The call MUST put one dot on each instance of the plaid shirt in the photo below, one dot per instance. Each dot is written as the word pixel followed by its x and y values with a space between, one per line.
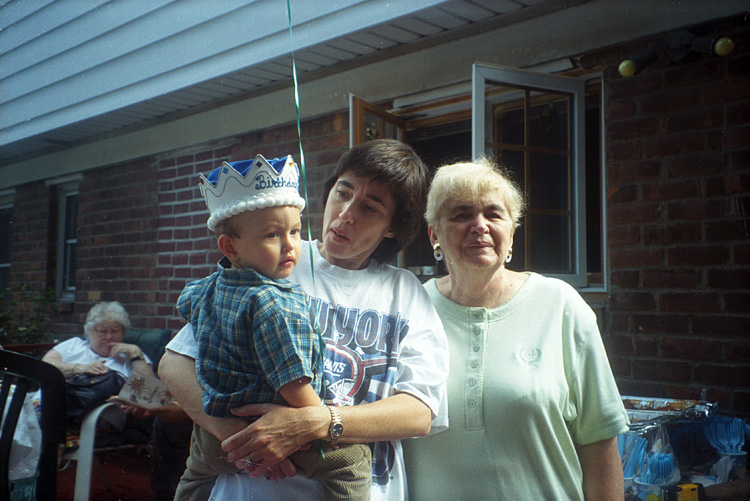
pixel 254 336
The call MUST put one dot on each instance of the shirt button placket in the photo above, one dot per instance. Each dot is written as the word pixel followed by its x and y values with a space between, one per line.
pixel 474 370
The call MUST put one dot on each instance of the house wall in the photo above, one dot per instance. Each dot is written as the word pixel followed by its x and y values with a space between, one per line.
pixel 678 193
pixel 677 136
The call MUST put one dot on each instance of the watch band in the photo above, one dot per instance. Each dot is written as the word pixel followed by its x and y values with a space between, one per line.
pixel 337 427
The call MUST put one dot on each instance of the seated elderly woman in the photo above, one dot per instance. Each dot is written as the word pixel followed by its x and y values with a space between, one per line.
pixel 102 349
pixel 533 406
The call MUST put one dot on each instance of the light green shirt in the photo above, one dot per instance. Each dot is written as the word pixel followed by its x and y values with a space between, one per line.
pixel 528 380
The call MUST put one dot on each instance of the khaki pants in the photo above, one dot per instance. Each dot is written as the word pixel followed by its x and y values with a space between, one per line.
pixel 346 472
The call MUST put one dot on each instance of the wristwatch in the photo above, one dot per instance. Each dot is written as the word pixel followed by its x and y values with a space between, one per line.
pixel 337 427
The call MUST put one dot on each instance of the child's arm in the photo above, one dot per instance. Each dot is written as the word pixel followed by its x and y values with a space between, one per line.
pixel 300 393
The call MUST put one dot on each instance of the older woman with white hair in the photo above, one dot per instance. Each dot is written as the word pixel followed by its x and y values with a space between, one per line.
pixel 101 349
pixel 533 406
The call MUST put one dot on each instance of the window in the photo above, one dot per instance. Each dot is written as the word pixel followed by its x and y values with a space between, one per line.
pixel 534 124
pixel 67 226
pixel 6 228
pixel 546 130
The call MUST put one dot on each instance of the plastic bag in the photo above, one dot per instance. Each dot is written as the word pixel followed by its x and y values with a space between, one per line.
pixel 27 442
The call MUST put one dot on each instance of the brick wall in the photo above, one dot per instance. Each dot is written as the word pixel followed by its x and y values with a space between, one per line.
pixel 678 194
pixel 29 245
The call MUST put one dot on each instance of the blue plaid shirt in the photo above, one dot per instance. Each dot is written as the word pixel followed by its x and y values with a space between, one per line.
pixel 254 336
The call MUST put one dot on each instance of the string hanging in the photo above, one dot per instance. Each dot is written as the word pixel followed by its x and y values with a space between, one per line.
pixel 321 342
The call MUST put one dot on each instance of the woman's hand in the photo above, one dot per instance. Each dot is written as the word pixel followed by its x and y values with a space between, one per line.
pixel 279 432
pixel 125 350
pixel 135 411
pixel 69 370
pixel 95 367
pixel 169 413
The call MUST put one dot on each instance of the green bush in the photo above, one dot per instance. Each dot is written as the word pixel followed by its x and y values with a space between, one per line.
pixel 24 314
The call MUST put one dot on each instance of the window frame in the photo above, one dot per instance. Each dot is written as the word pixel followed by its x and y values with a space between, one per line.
pixel 65 188
pixel 6 203
pixel 576 89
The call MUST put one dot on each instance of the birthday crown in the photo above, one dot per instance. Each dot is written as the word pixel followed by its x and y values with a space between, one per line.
pixel 249 185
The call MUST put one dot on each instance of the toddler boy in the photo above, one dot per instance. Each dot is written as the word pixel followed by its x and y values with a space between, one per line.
pixel 255 341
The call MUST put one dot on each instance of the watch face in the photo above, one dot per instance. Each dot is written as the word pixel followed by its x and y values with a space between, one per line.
pixel 337 429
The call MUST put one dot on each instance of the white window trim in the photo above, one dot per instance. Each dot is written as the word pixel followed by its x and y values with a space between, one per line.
pixel 6 202
pixel 577 89
pixel 66 186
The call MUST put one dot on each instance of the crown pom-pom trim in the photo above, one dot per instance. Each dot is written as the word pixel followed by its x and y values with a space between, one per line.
pixel 255 203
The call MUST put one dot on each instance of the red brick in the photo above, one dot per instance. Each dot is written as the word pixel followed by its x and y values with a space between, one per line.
pixel 669 101
pixel 737 302
pixel 742 253
pixel 670 190
pixel 625 279
pixel 621 257
pixel 671 233
pixel 629 214
pixel 738 376
pixel 739 160
pixel 660 323
pixel 729 279
pixel 627 88
pixel 628 150
pixel 623 345
pixel 691 349
pixel 644 346
pixel 672 278
pixel 619 110
pixel 736 137
pixel 738 352
pixel 622 193
pixel 689 74
pixel 620 366
pixel 633 171
pixel 728 91
pixel 640 388
pixel 741 400
pixel 722 231
pixel 681 392
pixel 697 209
pixel 691 120
pixel 698 256
pixel 661 370
pixel 721 325
pixel 727 185
pixel 623 235
pixel 673 144
pixel 625 130
pixel 689 301
pixel 738 64
pixel 738 114
pixel 632 301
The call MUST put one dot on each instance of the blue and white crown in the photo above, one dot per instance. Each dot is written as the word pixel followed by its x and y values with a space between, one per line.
pixel 249 185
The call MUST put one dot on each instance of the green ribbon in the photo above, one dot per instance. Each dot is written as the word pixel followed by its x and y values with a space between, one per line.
pixel 321 342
